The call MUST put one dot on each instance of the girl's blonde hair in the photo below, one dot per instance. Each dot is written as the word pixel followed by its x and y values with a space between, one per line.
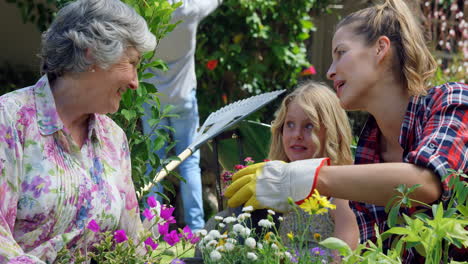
pixel 414 62
pixel 323 108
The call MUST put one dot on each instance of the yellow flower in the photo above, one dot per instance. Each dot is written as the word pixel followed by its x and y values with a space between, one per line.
pixel 317 236
pixel 317 204
pixel 267 236
pixel 290 235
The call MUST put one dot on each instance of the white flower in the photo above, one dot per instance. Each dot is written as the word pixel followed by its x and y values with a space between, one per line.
pixel 201 232
pixel 243 216
pixel 229 246
pixel 260 245
pixel 288 255
pixel 212 243
pixel 248 209
pixel 251 256
pixel 250 242
pixel 221 225
pixel 238 228
pixel 265 223
pixel 274 246
pixel 218 218
pixel 231 240
pixel 245 232
pixel 214 233
pixel 215 255
pixel 229 219
pixel 220 248
pixel 271 212
pixel 281 219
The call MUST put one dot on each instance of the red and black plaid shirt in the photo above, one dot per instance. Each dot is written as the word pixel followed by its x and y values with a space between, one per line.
pixel 433 135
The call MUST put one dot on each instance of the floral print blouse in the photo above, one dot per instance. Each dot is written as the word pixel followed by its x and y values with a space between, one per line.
pixel 50 188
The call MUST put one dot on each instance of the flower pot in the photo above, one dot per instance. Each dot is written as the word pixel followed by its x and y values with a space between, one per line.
pixel 194 260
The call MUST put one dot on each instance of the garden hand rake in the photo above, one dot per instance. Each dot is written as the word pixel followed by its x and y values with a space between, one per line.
pixel 216 123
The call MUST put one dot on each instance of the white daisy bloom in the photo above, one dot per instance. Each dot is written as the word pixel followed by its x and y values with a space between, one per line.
pixel 288 255
pixel 221 225
pixel 248 209
pixel 214 233
pixel 260 245
pixel 215 255
pixel 218 218
pixel 274 246
pixel 271 212
pixel 229 219
pixel 238 228
pixel 201 232
pixel 229 246
pixel 251 256
pixel 243 216
pixel 281 219
pixel 231 240
pixel 265 223
pixel 220 248
pixel 250 242
pixel 212 243
pixel 245 232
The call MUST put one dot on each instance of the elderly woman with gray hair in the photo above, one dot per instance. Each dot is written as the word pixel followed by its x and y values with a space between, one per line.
pixel 63 162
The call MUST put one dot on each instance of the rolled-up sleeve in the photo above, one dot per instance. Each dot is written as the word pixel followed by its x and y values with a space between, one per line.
pixel 443 147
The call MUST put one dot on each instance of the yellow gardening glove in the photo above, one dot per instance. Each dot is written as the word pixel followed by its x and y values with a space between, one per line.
pixel 242 190
pixel 269 184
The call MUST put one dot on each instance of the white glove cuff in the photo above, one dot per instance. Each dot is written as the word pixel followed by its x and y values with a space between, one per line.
pixel 278 181
pixel 303 177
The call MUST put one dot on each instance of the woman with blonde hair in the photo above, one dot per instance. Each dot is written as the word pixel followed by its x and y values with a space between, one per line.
pixel 311 124
pixel 415 134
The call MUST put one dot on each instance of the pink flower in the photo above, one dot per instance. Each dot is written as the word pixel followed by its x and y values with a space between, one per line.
pixel 150 242
pixel 166 214
pixel 152 202
pixel 120 236
pixel 163 228
pixel 189 236
pixel 211 64
pixel 148 214
pixel 249 159
pixel 172 238
pixel 309 71
pixel 239 167
pixel 93 226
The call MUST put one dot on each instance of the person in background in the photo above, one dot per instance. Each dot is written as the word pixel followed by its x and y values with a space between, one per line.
pixel 310 124
pixel 415 134
pixel 178 87
pixel 63 162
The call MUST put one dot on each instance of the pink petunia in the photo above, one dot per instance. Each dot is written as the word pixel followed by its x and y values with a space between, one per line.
pixel 239 167
pixel 148 214
pixel 120 236
pixel 93 226
pixel 150 242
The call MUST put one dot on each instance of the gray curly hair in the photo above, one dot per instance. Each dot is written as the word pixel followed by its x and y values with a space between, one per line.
pixel 104 28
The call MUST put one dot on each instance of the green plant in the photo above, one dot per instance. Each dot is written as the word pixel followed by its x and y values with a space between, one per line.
pixel 234 242
pixel 117 247
pixel 248 47
pixel 431 235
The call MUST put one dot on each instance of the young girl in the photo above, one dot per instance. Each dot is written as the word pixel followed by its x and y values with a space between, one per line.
pixel 299 132
pixel 414 135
